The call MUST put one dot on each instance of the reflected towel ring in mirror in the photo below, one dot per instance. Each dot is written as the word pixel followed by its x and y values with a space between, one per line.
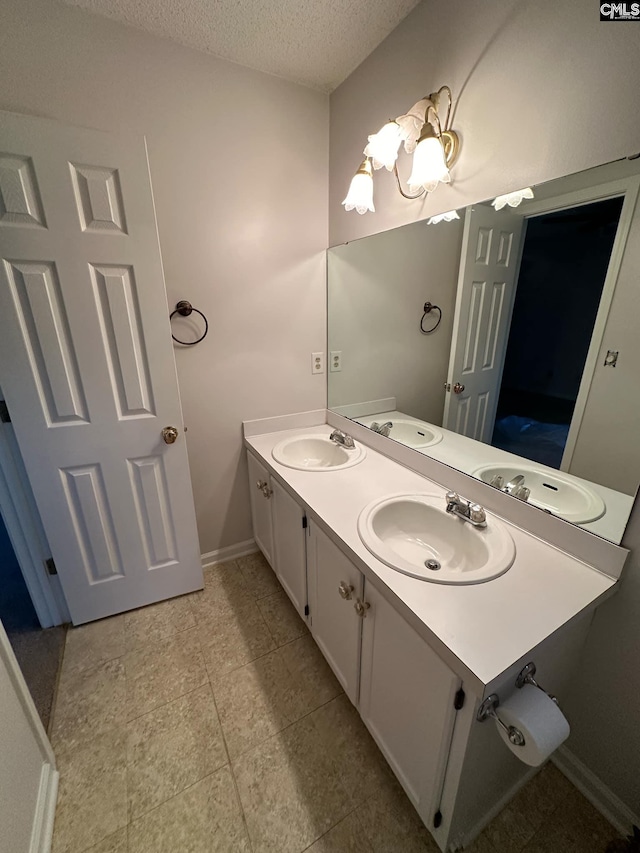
pixel 185 308
pixel 428 308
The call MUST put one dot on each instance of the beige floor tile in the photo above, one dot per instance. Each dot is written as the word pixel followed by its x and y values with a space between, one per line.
pixel 157 621
pixel 89 702
pixel 206 818
pixel 256 701
pixel 392 824
pixel 346 837
pixel 310 672
pixel 171 748
pixel 259 575
pixel 158 673
pixel 92 797
pixel 225 592
pixel 94 643
pixel 517 823
pixel 231 640
pixel 480 845
pixel 575 827
pixel 290 794
pixel 359 763
pixel 116 843
pixel 281 617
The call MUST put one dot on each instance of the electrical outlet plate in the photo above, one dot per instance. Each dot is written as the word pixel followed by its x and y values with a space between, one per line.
pixel 335 361
pixel 317 362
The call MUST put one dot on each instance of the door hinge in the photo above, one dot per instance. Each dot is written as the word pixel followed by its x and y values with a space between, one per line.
pixel 437 819
pixel 50 566
pixel 304 521
pixel 5 417
pixel 458 701
pixel 306 610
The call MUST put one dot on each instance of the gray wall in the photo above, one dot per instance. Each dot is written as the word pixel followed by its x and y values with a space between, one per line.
pixel 543 89
pixel 239 169
pixel 377 288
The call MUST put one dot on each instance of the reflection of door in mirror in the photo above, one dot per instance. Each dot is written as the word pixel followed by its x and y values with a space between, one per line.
pixel 486 288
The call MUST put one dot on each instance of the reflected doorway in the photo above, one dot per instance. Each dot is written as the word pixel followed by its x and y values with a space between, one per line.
pixel 565 258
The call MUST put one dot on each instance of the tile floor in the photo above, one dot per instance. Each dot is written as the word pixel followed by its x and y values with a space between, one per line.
pixel 212 724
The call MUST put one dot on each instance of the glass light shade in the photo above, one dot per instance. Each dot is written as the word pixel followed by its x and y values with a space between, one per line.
pixel 443 217
pixel 512 199
pixel 411 124
pixel 383 146
pixel 429 165
pixel 360 195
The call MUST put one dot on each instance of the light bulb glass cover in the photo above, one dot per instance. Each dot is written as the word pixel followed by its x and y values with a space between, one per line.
pixel 443 217
pixel 411 124
pixel 360 195
pixel 429 165
pixel 512 199
pixel 383 146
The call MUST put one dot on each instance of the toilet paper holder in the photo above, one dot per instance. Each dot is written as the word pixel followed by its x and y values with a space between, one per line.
pixel 490 705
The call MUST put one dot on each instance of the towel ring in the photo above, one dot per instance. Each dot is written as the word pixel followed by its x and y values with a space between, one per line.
pixel 428 308
pixel 185 308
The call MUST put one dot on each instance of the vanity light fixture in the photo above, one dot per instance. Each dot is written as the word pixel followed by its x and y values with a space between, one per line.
pixel 449 216
pixel 512 199
pixel 435 148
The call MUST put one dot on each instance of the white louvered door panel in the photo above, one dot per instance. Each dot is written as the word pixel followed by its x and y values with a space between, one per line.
pixel 87 366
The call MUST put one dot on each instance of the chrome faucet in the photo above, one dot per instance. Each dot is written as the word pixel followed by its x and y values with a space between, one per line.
pixel 515 487
pixel 342 439
pixel 382 429
pixel 473 513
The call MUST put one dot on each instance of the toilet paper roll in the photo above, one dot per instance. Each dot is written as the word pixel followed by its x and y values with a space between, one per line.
pixel 542 723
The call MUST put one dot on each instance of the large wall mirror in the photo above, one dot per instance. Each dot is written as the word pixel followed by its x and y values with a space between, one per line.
pixel 531 380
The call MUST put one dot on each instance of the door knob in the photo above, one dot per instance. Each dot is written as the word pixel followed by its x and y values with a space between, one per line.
pixel 345 590
pixel 361 608
pixel 169 434
pixel 458 388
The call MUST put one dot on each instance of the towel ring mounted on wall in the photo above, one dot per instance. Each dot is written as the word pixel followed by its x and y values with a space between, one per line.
pixel 428 308
pixel 185 308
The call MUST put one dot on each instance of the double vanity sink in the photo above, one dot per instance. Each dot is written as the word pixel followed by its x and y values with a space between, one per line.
pixel 416 534
pixel 422 603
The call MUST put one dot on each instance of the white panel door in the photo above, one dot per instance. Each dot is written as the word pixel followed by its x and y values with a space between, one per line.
pixel 260 495
pixel 407 702
pixel 484 304
pixel 87 367
pixel 289 546
pixel 335 585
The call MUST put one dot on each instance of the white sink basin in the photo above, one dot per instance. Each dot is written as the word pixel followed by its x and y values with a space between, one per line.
pixel 316 453
pixel 554 491
pixel 415 535
pixel 411 433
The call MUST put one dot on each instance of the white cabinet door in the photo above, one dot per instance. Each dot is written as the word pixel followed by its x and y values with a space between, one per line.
pixel 87 366
pixel 406 700
pixel 335 585
pixel 260 495
pixel 289 549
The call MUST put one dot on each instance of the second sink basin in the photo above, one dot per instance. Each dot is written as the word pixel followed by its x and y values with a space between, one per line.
pixel 316 453
pixel 415 535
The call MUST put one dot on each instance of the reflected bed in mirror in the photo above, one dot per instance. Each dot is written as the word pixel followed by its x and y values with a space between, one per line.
pixel 530 381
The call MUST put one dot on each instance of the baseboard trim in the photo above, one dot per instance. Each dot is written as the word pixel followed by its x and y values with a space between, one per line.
pixel 231 552
pixel 598 794
pixel 42 833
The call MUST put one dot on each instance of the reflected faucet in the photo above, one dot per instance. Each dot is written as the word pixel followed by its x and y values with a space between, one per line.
pixel 382 429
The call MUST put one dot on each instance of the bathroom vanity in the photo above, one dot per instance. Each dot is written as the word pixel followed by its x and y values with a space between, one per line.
pixel 417 658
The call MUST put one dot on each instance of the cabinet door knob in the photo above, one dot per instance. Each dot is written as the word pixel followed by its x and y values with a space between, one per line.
pixel 345 589
pixel 261 484
pixel 264 488
pixel 361 608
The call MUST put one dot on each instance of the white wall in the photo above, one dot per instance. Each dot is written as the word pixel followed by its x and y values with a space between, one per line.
pixel 377 289
pixel 543 89
pixel 239 168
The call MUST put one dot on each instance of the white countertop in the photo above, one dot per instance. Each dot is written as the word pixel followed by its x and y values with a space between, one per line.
pixel 479 629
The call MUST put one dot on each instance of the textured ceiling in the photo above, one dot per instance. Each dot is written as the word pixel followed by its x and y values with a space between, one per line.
pixel 314 42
